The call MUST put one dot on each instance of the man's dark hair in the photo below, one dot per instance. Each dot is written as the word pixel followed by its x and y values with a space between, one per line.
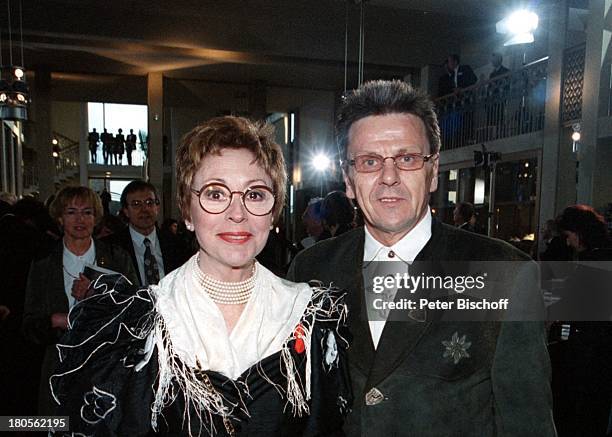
pixel 34 212
pixel 590 226
pixel 465 210
pixel 135 186
pixel 382 97
pixel 313 209
pixel 337 209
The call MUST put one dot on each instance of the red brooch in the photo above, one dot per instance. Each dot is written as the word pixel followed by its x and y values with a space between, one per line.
pixel 299 334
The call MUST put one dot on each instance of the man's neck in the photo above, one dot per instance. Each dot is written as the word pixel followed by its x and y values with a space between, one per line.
pixel 145 232
pixel 387 238
pixel 78 246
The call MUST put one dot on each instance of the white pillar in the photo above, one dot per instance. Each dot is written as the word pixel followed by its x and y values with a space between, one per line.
pixel 595 49
pixel 155 100
pixel 552 182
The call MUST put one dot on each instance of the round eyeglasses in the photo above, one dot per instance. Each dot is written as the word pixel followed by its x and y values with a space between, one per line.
pixel 405 161
pixel 216 198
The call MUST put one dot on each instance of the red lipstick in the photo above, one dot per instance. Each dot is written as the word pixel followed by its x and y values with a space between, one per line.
pixel 235 237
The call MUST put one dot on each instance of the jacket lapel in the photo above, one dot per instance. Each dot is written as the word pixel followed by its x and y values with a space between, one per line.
pixel 103 257
pixel 169 255
pixel 129 246
pixel 400 337
pixel 57 297
pixel 361 351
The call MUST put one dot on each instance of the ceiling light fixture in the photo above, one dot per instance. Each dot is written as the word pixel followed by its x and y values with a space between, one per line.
pixel 14 93
pixel 519 26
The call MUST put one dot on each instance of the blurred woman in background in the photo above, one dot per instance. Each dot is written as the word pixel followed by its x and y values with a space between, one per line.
pixel 55 281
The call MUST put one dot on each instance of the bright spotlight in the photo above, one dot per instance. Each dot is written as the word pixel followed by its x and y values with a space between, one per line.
pixel 54 141
pixel 522 22
pixel 519 26
pixel 576 136
pixel 18 73
pixel 321 162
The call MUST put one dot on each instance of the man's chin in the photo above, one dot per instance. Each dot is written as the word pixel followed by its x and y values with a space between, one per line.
pixel 391 227
pixel 394 224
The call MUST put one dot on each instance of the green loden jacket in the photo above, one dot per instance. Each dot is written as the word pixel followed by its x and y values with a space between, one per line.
pixel 409 385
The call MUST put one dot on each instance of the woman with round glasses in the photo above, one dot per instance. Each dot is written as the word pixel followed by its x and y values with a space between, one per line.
pixel 221 346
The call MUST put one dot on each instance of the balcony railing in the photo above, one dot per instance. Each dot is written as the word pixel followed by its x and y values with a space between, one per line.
pixel 67 161
pixel 573 81
pixel 30 169
pixel 506 106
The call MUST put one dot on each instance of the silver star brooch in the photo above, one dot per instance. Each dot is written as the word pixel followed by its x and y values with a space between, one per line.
pixel 456 348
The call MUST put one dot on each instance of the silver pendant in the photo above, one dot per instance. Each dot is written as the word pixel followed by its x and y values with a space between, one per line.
pixel 456 348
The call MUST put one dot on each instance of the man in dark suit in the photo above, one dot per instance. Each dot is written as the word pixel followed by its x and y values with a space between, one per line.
pixel 498 93
pixel 130 145
pixel 426 375
pixel 462 76
pixel 446 82
pixel 153 254
pixel 498 68
pixel 460 123
pixel 107 151
pixel 119 147
pixel 464 217
pixel 92 139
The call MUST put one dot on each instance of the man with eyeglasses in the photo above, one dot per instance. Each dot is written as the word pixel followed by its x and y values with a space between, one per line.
pixel 420 372
pixel 153 253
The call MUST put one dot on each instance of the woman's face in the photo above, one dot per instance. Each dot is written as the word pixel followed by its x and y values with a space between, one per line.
pixel 78 220
pixel 573 240
pixel 233 238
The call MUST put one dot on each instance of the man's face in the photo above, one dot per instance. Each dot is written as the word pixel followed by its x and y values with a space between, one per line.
pixel 452 63
pixel 313 226
pixel 496 61
pixel 457 219
pixel 393 201
pixel 142 210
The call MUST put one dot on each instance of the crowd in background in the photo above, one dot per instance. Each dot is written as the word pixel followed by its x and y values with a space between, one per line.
pixel 113 146
pixel 34 241
pixel 45 249
pixel 32 231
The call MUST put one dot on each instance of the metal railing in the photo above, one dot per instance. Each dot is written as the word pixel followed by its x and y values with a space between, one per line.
pixel 505 106
pixel 30 168
pixel 573 81
pixel 67 161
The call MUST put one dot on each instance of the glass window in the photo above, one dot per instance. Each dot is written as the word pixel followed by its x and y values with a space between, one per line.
pixel 115 116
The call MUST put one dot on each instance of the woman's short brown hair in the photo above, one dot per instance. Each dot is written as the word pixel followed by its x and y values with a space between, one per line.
pixel 214 135
pixel 68 194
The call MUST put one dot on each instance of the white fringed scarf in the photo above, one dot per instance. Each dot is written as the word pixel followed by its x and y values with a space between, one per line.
pixel 190 332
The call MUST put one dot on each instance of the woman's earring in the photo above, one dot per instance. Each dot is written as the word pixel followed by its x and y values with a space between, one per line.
pixel 189 226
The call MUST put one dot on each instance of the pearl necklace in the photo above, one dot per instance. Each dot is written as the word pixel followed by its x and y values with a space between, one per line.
pixel 225 293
